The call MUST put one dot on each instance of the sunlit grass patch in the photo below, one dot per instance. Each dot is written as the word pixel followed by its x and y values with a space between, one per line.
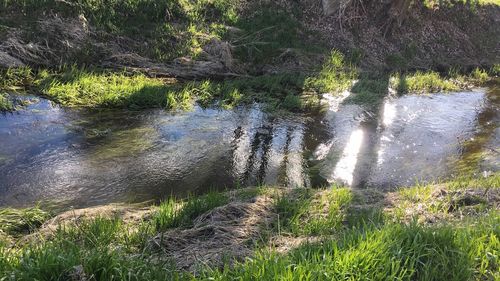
pixel 181 213
pixel 422 82
pixel 432 82
pixel 392 251
pixel 83 88
pixel 336 75
pixel 306 212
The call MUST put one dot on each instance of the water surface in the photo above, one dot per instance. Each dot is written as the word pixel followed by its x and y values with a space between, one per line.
pixel 82 158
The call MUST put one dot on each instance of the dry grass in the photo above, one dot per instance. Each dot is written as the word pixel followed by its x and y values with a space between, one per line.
pixel 226 233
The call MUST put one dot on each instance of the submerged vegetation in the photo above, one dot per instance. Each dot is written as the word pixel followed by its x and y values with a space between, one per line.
pixel 341 233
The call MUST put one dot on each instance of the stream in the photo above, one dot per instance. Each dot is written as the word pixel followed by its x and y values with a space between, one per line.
pixel 81 158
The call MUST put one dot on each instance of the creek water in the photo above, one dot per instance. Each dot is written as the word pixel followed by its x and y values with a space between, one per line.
pixel 82 158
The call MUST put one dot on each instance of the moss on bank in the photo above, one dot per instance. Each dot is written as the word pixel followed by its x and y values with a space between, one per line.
pixel 342 234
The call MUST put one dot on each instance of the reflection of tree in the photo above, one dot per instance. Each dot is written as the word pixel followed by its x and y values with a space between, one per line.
pixel 269 154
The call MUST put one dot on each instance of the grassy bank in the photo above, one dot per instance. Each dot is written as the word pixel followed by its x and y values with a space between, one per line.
pixel 299 234
pixel 76 87
pixel 294 91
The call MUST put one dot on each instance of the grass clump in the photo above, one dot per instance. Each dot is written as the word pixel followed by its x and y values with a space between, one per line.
pixel 174 213
pixel 21 221
pixel 16 79
pixel 464 196
pixel 302 212
pixel 432 82
pixel 82 88
pixel 422 82
pixel 334 76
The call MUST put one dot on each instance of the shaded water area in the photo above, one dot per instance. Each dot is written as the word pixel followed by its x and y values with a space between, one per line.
pixel 82 158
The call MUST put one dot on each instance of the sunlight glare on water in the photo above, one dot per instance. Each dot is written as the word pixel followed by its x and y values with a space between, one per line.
pixel 345 167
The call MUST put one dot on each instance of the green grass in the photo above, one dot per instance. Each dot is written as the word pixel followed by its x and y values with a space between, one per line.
pixel 16 79
pixel 97 249
pixel 432 82
pixel 93 89
pixel 75 87
pixel 175 28
pixel 268 32
pixel 302 211
pixel 369 91
pixel 389 252
pixel 443 200
pixel 174 213
pixel 422 82
pixel 474 4
pixel 335 75
pixel 356 249
pixel 171 28
pixel 21 221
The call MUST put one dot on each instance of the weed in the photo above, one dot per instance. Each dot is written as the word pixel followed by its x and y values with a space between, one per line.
pixel 481 76
pixel 16 79
pixel 495 70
